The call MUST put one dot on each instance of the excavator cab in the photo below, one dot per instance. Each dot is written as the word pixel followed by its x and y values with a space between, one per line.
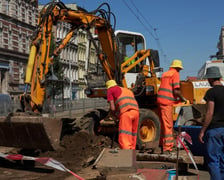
pixel 129 43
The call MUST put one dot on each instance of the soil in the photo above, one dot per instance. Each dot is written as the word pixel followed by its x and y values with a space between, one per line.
pixel 77 152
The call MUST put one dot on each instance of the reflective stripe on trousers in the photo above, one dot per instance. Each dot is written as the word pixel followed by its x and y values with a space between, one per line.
pixel 166 121
pixel 128 128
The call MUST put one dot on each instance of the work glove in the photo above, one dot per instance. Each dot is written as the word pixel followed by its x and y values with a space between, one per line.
pixel 109 120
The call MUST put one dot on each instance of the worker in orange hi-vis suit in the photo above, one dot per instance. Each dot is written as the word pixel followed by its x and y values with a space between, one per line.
pixel 169 94
pixel 124 106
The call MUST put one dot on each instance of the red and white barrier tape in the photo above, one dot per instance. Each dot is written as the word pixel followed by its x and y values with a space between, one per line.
pixel 180 143
pixel 45 160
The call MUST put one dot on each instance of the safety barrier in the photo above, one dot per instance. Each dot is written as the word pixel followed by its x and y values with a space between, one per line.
pixel 64 107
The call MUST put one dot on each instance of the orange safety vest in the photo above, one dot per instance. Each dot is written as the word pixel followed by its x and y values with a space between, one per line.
pixel 169 81
pixel 125 102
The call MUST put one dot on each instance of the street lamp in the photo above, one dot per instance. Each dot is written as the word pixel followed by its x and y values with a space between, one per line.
pixel 70 83
pixel 52 80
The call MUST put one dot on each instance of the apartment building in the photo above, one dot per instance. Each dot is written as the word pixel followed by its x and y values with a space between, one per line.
pixel 18 19
pixel 78 57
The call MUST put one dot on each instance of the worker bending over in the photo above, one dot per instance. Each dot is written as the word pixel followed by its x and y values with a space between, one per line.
pixel 124 106
pixel 169 94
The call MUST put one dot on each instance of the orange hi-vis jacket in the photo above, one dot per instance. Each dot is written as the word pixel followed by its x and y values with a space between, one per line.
pixel 169 81
pixel 125 102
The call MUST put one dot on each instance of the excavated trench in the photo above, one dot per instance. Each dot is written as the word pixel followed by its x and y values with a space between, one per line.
pixel 76 152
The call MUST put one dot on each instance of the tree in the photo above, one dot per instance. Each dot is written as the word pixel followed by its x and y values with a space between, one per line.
pixel 55 74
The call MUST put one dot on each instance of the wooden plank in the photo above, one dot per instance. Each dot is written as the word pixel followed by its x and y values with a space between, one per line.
pixel 183 157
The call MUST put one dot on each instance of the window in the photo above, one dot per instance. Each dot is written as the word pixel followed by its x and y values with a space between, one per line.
pixel 1 35
pixel 10 39
pixel 19 11
pixel 33 14
pixel 27 45
pixel 26 13
pixel 7 3
pixel 0 6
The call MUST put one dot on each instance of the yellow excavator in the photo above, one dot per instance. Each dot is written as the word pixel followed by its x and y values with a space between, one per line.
pixel 123 57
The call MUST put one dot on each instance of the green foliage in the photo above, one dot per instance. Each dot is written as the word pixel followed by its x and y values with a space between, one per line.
pixel 55 78
pixel 57 66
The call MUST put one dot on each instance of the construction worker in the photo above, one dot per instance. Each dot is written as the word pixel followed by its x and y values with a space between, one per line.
pixel 124 106
pixel 212 131
pixel 169 94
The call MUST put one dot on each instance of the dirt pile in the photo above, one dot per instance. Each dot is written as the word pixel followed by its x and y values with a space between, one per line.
pixel 76 152
pixel 79 150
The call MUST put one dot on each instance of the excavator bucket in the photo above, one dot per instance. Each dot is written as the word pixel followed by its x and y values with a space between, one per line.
pixel 30 131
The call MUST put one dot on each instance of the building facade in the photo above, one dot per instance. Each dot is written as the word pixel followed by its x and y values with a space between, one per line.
pixel 18 19
pixel 77 58
pixel 220 45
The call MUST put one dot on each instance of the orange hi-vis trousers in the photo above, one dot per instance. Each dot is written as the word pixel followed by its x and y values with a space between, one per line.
pixel 128 128
pixel 166 121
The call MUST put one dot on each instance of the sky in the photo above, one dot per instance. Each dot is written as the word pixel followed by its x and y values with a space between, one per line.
pixel 188 30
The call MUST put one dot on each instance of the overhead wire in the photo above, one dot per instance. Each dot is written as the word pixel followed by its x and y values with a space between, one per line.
pixel 154 29
pixel 154 35
pixel 146 20
pixel 138 18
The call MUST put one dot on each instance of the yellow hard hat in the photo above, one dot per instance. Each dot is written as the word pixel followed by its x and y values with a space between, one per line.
pixel 110 83
pixel 176 64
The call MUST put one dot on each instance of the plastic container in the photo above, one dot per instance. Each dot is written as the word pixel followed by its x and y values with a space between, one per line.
pixel 197 148
pixel 172 174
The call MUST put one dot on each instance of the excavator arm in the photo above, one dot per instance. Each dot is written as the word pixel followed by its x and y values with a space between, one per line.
pixel 41 61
